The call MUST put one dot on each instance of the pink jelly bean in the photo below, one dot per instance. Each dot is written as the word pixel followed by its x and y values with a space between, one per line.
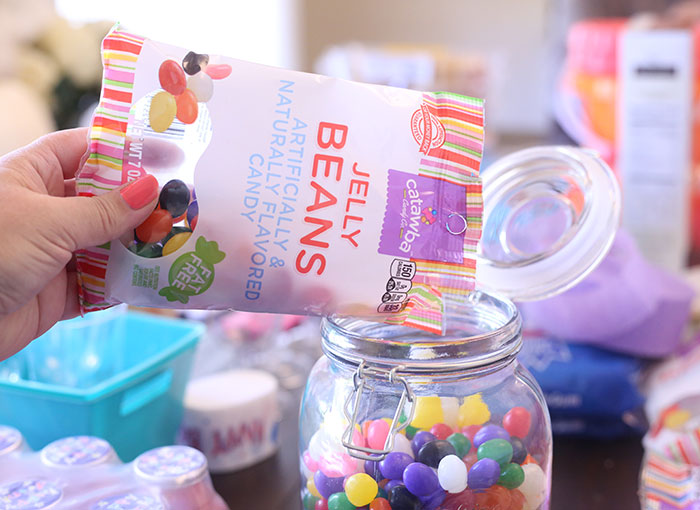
pixel 471 431
pixel 310 462
pixel 377 433
pixel 331 465
pixel 218 71
pixel 358 439
pixel 349 465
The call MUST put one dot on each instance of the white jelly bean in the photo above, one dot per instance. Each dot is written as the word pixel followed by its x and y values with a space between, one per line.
pixel 402 444
pixel 202 86
pixel 315 446
pixel 450 410
pixel 533 487
pixel 452 474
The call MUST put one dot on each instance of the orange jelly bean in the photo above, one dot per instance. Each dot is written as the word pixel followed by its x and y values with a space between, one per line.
pixel 380 504
pixel 494 498
pixel 155 227
pixel 187 108
pixel 517 500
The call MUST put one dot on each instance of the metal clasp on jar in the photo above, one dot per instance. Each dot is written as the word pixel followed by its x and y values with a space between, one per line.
pixel 354 399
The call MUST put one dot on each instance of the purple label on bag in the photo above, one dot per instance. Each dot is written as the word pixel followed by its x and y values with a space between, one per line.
pixel 171 462
pixel 10 439
pixel 425 218
pixel 128 502
pixel 35 494
pixel 77 451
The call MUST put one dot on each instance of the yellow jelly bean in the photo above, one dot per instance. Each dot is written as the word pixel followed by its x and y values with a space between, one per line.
pixel 473 411
pixel 361 489
pixel 428 412
pixel 675 419
pixel 311 486
pixel 176 242
pixel 162 112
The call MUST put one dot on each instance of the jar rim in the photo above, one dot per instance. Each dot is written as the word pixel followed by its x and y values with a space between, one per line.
pixel 483 329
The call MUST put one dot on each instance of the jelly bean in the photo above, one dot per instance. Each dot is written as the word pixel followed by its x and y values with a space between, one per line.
pixel 192 215
pixel 461 443
pixel 471 431
pixel 420 439
pixel 309 501
pixel 519 450
pixel 463 501
pixel 148 250
pixel 433 452
pixel 420 479
pixel 432 501
pixel 400 498
pixel 495 498
pixel 499 450
pixel 441 431
pixel 175 243
pixel 202 86
pixel 391 484
pixel 452 474
pixel 428 412
pixel 187 108
pixel 470 459
pixel 411 431
pixel 326 485
pixel 174 197
pixel 340 501
pixel 473 411
pixel 377 433
pixel 194 62
pixel 528 460
pixel 218 71
pixel 489 432
pixel 172 78
pixel 517 500
pixel 402 445
pixel 380 504
pixel 162 111
pixel 450 411
pixel 512 476
pixel 155 227
pixel 361 489
pixel 309 461
pixel 393 465
pixel 372 469
pixel 483 474
pixel 321 504
pixel 311 487
pixel 517 422
pixel 533 486
pixel 381 493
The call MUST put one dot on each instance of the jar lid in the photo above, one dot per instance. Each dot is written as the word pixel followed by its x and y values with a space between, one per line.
pixel 77 451
pixel 128 501
pixel 551 214
pixel 10 439
pixel 31 494
pixel 171 465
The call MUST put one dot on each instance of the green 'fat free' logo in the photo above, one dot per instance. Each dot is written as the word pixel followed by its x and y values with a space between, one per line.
pixel 192 273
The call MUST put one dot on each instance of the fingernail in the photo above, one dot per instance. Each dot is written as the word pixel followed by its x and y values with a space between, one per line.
pixel 140 192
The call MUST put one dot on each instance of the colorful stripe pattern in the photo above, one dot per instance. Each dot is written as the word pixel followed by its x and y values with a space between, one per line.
pixel 457 161
pixel 666 484
pixel 102 171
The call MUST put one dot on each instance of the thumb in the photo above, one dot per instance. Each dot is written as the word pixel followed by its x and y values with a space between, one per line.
pixel 91 221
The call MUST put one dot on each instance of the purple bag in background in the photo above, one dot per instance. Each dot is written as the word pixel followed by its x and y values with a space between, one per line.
pixel 626 305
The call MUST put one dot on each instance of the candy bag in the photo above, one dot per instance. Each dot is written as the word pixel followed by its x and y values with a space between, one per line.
pixel 282 191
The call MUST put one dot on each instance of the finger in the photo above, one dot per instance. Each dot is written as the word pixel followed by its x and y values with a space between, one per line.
pixel 72 308
pixel 69 189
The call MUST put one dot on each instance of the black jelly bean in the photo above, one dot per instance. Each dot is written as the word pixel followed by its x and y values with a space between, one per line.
pixel 432 452
pixel 193 62
pixel 519 450
pixel 175 197
pixel 400 498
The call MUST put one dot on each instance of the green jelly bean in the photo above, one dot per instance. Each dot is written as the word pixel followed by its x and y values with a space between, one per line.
pixel 411 431
pixel 461 443
pixel 309 501
pixel 499 450
pixel 512 476
pixel 381 493
pixel 340 501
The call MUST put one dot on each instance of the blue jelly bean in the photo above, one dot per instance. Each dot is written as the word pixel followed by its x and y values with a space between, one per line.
pixel 483 474
pixel 420 439
pixel 488 432
pixel 326 485
pixel 393 465
pixel 420 479
pixel 192 212
pixel 434 500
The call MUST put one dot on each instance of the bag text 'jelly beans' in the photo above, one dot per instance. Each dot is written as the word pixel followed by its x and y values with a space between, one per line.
pixel 316 195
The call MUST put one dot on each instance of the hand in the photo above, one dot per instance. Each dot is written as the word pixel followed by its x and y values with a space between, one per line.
pixel 42 223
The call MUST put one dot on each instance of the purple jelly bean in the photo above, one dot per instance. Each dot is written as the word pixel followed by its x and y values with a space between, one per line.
pixel 483 474
pixel 372 469
pixel 420 479
pixel 393 465
pixel 488 432
pixel 420 439
pixel 434 500
pixel 326 485
pixel 391 484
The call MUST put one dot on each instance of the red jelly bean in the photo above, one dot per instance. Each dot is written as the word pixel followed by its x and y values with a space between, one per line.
pixel 187 108
pixel 321 504
pixel 461 501
pixel 517 500
pixel 517 422
pixel 441 431
pixel 494 498
pixel 172 77
pixel 155 227
pixel 380 504
pixel 218 71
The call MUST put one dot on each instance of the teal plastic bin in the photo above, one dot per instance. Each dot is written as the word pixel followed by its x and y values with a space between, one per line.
pixel 117 375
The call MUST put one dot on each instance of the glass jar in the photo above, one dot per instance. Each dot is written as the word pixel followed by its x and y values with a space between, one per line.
pixel 395 418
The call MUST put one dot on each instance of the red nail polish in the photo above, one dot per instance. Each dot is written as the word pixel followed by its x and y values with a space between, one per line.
pixel 140 192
